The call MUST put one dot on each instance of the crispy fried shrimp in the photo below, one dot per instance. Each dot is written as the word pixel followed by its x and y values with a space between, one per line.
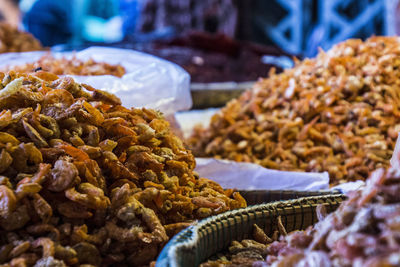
pixel 47 246
pixel 117 169
pixel 73 210
pixel 91 196
pixel 40 229
pixel 8 201
pixel 260 236
pixel 123 234
pixel 19 249
pixel 34 135
pixel 86 181
pixel 5 160
pixel 42 208
pixel 27 189
pixel 62 176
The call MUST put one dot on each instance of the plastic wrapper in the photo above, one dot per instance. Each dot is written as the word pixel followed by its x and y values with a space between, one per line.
pixel 149 81
pixel 249 176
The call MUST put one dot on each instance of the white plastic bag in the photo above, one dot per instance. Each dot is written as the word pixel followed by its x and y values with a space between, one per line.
pixel 149 81
pixel 249 176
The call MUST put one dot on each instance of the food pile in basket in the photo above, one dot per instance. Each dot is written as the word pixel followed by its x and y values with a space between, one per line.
pixel 247 251
pixel 71 66
pixel 338 112
pixel 14 40
pixel 363 231
pixel 86 181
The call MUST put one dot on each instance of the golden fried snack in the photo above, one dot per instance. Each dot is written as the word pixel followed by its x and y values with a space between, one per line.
pixel 84 180
pixel 338 112
pixel 13 40
pixel 72 66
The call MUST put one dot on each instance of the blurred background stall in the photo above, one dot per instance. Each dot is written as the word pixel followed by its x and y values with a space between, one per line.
pixel 225 45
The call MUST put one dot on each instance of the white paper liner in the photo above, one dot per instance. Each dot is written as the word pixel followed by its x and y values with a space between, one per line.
pixel 149 81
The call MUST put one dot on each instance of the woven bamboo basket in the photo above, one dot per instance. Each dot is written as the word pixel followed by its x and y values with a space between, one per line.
pixel 255 197
pixel 197 243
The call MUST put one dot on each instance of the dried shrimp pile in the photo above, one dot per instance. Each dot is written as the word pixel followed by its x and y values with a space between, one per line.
pixel 13 40
pixel 85 181
pixel 338 113
pixel 71 66
pixel 363 231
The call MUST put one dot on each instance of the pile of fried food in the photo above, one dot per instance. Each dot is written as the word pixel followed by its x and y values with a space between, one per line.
pixel 338 112
pixel 70 66
pixel 87 182
pixel 14 40
pixel 363 231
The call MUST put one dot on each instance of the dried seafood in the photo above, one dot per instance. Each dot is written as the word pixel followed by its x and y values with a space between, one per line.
pixel 363 231
pixel 338 113
pixel 84 180
pixel 71 66
pixel 248 251
pixel 13 40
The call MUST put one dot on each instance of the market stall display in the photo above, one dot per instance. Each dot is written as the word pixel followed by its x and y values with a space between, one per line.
pixel 14 40
pixel 248 252
pixel 220 67
pixel 212 58
pixel 363 231
pixel 72 66
pixel 85 180
pixel 214 235
pixel 338 112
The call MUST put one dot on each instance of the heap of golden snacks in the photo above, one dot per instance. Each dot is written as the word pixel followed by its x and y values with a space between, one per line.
pixel 71 66
pixel 363 231
pixel 13 40
pixel 338 113
pixel 87 181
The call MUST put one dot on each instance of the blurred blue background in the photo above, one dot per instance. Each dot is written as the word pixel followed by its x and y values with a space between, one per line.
pixel 298 27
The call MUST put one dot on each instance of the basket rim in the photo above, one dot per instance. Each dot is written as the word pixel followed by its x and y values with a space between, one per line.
pixel 322 191
pixel 188 237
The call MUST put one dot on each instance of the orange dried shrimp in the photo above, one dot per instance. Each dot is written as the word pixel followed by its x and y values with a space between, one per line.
pixel 71 66
pixel 338 112
pixel 85 181
pixel 13 40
